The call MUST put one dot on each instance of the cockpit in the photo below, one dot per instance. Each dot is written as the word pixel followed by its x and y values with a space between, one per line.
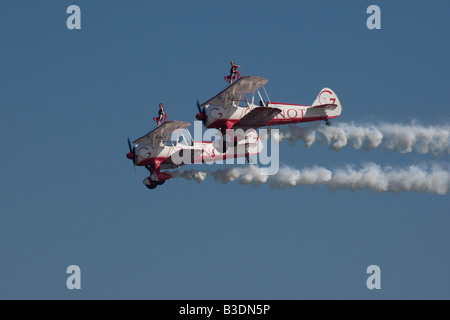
pixel 248 99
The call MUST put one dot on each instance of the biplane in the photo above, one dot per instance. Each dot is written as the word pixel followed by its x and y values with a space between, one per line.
pixel 170 146
pixel 241 105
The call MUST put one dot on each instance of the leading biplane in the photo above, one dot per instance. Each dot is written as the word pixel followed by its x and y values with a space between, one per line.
pixel 236 107
pixel 170 146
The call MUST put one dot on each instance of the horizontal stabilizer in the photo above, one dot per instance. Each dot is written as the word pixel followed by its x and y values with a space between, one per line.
pixel 326 106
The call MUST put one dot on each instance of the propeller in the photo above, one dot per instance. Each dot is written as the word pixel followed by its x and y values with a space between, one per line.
pixel 131 155
pixel 201 115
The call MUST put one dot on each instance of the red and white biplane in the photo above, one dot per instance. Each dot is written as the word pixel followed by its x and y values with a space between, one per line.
pixel 170 146
pixel 235 107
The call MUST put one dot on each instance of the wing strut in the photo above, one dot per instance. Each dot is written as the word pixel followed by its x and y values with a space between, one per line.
pixel 268 99
pixel 259 94
pixel 248 103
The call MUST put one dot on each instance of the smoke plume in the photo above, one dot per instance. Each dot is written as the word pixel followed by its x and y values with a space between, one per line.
pixel 397 137
pixel 198 176
pixel 417 178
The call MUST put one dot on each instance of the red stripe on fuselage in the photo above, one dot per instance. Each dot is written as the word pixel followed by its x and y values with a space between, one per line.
pixel 150 161
pixel 274 122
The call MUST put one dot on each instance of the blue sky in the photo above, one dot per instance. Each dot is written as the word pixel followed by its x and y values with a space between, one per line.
pixel 70 99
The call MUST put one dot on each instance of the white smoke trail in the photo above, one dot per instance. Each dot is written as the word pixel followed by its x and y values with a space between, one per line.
pixel 424 178
pixel 397 137
pixel 198 176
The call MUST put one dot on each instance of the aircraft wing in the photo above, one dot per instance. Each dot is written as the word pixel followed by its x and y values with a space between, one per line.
pixel 235 91
pixel 162 133
pixel 258 117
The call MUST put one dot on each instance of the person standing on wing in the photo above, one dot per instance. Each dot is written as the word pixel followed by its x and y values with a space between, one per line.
pixel 234 74
pixel 161 114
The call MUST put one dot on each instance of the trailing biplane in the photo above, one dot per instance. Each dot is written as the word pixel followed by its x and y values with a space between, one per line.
pixel 170 146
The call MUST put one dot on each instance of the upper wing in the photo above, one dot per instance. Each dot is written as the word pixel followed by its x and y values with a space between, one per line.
pixel 162 133
pixel 256 118
pixel 234 92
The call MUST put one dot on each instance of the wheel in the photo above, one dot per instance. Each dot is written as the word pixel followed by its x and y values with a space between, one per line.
pixel 152 185
pixel 160 183
pixel 328 123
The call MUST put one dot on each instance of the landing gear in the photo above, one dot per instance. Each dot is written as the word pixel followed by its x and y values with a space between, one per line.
pixel 327 122
pixel 152 185
pixel 247 153
pixel 155 174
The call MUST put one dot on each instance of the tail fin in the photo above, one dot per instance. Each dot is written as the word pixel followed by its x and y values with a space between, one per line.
pixel 329 102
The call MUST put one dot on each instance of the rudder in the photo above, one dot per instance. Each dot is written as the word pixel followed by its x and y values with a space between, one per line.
pixel 327 98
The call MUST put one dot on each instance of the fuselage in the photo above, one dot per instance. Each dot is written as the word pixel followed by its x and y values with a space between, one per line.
pixel 219 116
pixel 171 156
